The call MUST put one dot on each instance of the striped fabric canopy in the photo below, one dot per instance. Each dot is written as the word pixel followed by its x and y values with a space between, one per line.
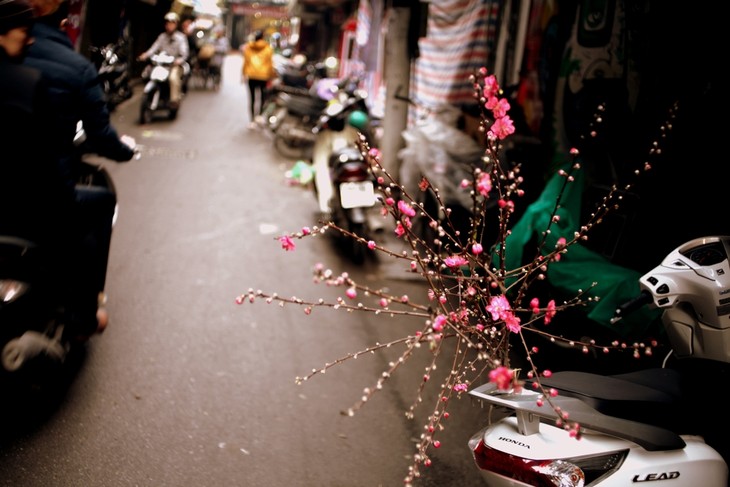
pixel 461 35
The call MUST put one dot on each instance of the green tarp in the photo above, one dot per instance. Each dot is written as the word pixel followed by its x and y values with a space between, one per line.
pixel 579 267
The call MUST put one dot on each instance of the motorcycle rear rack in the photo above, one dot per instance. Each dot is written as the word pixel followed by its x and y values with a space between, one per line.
pixel 528 413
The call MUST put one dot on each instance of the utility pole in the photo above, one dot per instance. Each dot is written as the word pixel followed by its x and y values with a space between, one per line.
pixel 397 82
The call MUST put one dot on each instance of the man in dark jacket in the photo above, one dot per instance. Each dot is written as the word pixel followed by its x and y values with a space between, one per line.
pixel 73 88
pixel 35 203
pixel 31 191
pixel 75 95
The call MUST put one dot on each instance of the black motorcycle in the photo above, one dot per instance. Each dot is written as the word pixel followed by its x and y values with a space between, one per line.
pixel 35 350
pixel 292 118
pixel 112 64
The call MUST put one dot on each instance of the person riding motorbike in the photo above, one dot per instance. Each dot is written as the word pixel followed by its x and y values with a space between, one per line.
pixel 74 95
pixel 174 43
pixel 222 46
pixel 187 27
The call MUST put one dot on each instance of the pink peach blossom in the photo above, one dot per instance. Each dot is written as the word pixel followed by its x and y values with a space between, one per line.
pixel 287 243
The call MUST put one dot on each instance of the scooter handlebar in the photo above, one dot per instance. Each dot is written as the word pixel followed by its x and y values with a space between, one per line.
pixel 644 298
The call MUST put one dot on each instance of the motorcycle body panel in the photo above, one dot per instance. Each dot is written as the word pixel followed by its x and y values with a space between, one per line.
pixel 160 74
pixel 156 93
pixel 649 425
pixel 274 118
pixel 33 347
pixel 309 105
pixel 696 463
pixel 292 119
pixel 354 197
pixel 150 86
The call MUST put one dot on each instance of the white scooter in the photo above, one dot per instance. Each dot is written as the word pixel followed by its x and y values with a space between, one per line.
pixel 156 93
pixel 663 425
pixel 343 180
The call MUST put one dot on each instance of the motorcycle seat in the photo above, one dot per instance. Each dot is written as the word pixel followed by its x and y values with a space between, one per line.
pixel 650 396
pixel 303 105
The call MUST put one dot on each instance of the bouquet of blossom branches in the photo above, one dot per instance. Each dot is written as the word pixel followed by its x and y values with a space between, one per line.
pixel 478 295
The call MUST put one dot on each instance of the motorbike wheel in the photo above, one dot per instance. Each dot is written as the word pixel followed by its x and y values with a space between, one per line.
pixel 289 147
pixel 145 112
pixel 42 383
pixel 216 80
pixel 290 151
pixel 125 92
pixel 357 251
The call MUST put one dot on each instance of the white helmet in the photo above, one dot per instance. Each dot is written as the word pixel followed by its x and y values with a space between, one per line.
pixel 172 17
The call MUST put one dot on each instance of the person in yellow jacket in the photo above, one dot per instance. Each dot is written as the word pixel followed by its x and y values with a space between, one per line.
pixel 258 70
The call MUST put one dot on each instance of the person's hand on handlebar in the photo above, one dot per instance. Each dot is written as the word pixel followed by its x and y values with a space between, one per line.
pixel 132 143
pixel 129 140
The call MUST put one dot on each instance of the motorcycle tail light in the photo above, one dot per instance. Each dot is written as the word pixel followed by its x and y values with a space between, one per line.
pixel 566 472
pixel 352 172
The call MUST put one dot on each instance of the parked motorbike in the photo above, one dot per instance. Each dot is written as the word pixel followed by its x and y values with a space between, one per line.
pixel 34 350
pixel 656 424
pixel 112 62
pixel 344 182
pixel 275 106
pixel 295 79
pixel 296 71
pixel 353 199
pixel 156 94
pixel 294 115
pixel 346 99
pixel 294 123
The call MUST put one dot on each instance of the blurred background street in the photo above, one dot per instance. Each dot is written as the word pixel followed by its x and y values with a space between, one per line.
pixel 188 388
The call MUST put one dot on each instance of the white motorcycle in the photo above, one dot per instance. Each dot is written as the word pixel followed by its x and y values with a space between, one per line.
pixel 343 182
pixel 656 425
pixel 156 94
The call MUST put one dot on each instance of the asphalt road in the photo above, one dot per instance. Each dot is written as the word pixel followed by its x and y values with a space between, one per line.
pixel 188 388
